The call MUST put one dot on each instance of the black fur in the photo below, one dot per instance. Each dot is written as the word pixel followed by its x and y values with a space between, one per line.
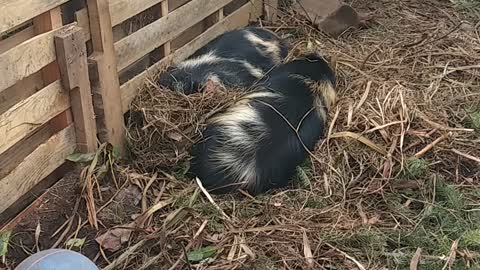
pixel 234 45
pixel 279 152
pixel 233 49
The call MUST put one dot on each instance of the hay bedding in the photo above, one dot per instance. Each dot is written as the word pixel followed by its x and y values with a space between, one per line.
pixel 408 85
pixel 164 125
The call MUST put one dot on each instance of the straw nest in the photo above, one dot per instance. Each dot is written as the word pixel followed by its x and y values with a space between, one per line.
pixel 399 162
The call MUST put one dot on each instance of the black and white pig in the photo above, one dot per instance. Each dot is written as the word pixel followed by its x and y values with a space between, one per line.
pixel 235 59
pixel 257 143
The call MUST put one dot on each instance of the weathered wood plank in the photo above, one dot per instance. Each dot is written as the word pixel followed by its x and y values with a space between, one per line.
pixel 72 59
pixel 121 10
pixel 30 113
pixel 195 30
pixel 26 59
pixel 237 19
pixel 164 8
pixel 256 10
pixel 15 12
pixel 271 9
pixel 131 48
pixel 104 78
pixel 36 166
pixel 20 91
pixel 174 4
pixel 16 39
pixel 10 159
pixel 45 22
pixel 81 17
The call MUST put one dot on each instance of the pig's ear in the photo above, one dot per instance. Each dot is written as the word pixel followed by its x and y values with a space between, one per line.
pixel 212 85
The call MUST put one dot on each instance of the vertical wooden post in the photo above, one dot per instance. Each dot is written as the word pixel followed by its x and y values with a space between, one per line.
pixel 166 47
pixel 257 9
pixel 72 61
pixel 106 89
pixel 220 14
pixel 271 10
pixel 45 22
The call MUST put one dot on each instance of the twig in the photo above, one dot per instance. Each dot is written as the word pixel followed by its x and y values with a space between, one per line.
pixel 419 142
pixel 476 159
pixel 361 139
pixel 452 255
pixel 364 96
pixel 359 265
pixel 103 206
pixel 199 183
pixel 190 244
pixel 122 258
pixel 145 190
pixel 69 226
pixel 431 145
pixel 441 127
pixel 416 259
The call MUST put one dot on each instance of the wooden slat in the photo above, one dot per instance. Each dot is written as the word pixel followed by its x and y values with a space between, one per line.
pixel 257 9
pixel 49 21
pixel 16 39
pixel 26 59
pixel 131 48
pixel 104 77
pixel 271 8
pixel 174 4
pixel 72 59
pixel 15 12
pixel 36 166
pixel 237 19
pixel 121 10
pixel 30 113
pixel 20 91
pixel 81 17
pixel 164 8
pixel 10 159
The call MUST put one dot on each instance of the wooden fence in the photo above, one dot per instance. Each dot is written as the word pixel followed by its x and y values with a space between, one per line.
pixel 69 73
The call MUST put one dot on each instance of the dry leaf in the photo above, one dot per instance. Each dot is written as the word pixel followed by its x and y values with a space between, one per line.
pixel 307 251
pixel 112 240
pixel 131 195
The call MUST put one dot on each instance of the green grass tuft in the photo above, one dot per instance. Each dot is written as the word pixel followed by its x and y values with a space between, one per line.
pixel 473 120
pixel 416 167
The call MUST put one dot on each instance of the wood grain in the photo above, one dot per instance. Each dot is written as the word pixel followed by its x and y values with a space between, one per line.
pixel 164 9
pixel 105 84
pixel 26 59
pixel 131 48
pixel 16 39
pixel 81 17
pixel 10 159
pixel 45 22
pixel 36 166
pixel 15 12
pixel 72 59
pixel 122 10
pixel 29 114
pixel 20 91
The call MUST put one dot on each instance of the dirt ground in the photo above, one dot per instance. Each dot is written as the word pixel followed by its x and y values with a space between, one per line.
pixel 394 185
